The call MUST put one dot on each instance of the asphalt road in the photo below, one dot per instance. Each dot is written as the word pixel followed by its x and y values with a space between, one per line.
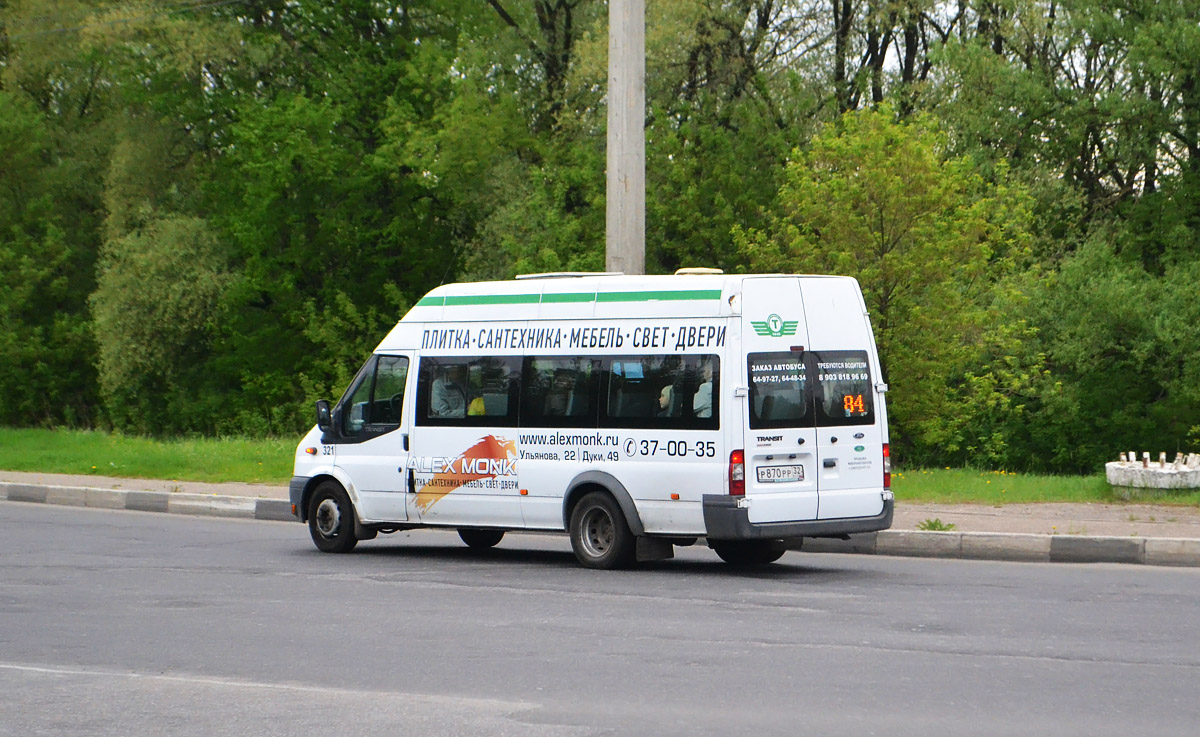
pixel 119 623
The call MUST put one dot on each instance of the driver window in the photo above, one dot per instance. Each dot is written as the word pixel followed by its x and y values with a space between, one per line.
pixel 389 389
pixel 377 397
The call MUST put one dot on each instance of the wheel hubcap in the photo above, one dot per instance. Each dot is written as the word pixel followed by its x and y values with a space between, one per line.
pixel 328 517
pixel 597 532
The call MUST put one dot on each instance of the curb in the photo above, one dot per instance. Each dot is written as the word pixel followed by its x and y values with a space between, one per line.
pixel 202 505
pixel 1011 546
pixel 1005 546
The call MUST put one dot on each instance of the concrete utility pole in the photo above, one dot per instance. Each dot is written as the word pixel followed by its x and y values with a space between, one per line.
pixel 625 221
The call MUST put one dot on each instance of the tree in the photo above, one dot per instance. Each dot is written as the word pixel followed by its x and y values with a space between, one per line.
pixel 559 25
pixel 1103 98
pixel 49 213
pixel 1120 348
pixel 275 151
pixel 722 115
pixel 155 307
pixel 928 241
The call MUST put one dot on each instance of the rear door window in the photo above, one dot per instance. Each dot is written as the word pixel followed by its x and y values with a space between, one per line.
pixel 843 391
pixel 779 391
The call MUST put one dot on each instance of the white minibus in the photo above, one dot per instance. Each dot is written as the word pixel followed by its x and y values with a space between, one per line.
pixel 635 413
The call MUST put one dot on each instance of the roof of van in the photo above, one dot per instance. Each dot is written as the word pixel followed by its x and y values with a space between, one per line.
pixel 556 296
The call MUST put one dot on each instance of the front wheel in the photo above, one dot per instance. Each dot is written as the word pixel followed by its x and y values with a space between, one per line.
pixel 746 553
pixel 331 519
pixel 600 536
pixel 480 539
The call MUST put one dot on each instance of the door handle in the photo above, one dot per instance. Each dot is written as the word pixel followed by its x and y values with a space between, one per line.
pixel 412 481
pixel 405 436
pixel 829 462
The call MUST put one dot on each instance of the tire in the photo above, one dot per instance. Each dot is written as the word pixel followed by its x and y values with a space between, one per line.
pixel 600 536
pixel 331 519
pixel 480 539
pixel 749 553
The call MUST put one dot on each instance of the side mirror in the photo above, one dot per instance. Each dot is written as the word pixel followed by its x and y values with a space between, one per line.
pixel 324 415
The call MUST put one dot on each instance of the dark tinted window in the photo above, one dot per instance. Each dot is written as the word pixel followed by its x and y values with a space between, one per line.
pixel 779 391
pixel 469 391
pixel 559 392
pixel 843 390
pixel 669 392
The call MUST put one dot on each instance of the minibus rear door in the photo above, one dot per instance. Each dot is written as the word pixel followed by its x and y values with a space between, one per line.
pixel 779 433
pixel 843 369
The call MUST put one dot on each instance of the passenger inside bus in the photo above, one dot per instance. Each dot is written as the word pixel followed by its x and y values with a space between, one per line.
pixel 560 399
pixel 664 400
pixel 702 401
pixel 448 397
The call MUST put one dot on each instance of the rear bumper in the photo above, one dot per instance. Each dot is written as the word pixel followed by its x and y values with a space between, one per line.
pixel 724 520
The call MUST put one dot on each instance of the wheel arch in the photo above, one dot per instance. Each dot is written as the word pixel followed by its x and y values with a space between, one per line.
pixel 311 485
pixel 589 481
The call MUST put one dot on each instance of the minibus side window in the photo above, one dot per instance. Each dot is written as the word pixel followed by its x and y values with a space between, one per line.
pixel 779 391
pixel 373 404
pixel 558 392
pixel 471 391
pixel 843 393
pixel 667 392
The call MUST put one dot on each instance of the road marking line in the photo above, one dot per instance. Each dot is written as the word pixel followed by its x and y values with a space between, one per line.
pixel 504 706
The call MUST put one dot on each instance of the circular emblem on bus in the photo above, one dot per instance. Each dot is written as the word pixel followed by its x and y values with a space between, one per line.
pixel 775 323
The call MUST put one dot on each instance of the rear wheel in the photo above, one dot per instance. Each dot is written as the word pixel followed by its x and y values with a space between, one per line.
pixel 749 552
pixel 600 536
pixel 480 539
pixel 331 519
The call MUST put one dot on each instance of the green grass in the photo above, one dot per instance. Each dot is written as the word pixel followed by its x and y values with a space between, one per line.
pixel 972 486
pixel 266 461
pixel 269 461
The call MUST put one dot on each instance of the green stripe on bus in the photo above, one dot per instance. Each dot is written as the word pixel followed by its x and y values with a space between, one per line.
pixel 675 295
pixel 493 299
pixel 571 297
pixel 522 299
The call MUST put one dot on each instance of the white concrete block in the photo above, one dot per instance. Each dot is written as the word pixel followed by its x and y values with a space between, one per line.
pixel 1172 551
pixel 919 543
pixel 105 498
pixel 70 496
pixel 210 506
pixel 1005 546
pixel 1153 477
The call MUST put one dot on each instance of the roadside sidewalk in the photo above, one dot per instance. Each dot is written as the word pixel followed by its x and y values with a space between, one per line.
pixel 1079 533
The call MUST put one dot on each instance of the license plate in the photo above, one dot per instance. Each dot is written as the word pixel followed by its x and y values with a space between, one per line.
pixel 780 474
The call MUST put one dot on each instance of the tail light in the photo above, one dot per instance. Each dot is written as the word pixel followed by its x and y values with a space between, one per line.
pixel 737 473
pixel 887 466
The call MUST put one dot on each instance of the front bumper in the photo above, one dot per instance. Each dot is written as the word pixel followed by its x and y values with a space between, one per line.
pixel 724 520
pixel 296 494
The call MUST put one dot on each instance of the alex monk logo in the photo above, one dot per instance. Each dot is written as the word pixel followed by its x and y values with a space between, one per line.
pixel 775 326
